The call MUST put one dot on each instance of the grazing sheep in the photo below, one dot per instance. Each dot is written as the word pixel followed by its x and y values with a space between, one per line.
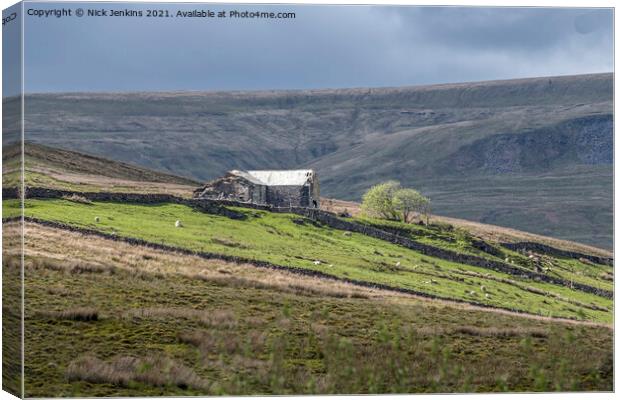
pixel 484 289
pixel 487 295
pixel 347 233
pixel 178 224
pixel 96 219
pixel 317 262
pixel 398 264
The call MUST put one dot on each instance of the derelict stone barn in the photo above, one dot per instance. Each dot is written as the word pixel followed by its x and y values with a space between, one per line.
pixel 278 188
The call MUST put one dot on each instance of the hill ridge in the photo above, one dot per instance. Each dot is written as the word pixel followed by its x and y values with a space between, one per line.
pixel 330 90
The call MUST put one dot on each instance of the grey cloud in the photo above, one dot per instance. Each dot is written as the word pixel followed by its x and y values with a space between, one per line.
pixel 529 29
pixel 325 46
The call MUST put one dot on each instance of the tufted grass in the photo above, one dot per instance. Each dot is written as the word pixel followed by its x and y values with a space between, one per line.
pixel 172 334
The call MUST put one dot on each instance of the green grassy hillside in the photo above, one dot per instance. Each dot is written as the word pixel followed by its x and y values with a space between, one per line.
pixel 533 154
pixel 104 318
pixel 293 241
pixel 107 318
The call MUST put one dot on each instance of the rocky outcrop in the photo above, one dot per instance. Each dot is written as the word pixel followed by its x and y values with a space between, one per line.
pixel 586 141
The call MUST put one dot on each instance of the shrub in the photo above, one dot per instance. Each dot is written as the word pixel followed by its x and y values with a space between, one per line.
pixel 408 203
pixel 378 200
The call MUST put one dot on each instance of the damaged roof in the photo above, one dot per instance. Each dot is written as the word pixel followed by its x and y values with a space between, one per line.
pixel 277 177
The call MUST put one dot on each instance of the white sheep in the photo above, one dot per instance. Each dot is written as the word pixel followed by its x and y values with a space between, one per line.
pixel 482 288
pixel 398 264
pixel 96 219
pixel 178 224
pixel 317 262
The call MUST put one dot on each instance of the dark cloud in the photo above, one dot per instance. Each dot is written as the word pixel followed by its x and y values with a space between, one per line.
pixel 592 21
pixel 505 29
pixel 325 46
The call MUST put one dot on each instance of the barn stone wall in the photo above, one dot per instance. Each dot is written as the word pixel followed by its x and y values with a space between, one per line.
pixel 237 187
pixel 234 188
pixel 287 196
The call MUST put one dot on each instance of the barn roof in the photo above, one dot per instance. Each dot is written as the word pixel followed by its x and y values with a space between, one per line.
pixel 277 177
pixel 245 175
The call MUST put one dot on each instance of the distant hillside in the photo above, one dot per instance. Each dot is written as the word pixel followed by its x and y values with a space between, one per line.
pixel 532 154
pixel 63 169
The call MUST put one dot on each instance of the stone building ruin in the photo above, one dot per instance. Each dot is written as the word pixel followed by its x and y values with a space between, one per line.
pixel 277 188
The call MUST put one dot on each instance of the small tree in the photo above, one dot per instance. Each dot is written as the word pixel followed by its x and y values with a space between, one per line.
pixel 390 201
pixel 408 203
pixel 378 200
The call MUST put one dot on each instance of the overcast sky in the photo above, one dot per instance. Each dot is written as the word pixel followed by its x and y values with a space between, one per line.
pixel 323 47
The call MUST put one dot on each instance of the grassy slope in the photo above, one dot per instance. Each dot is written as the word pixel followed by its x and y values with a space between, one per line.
pixel 452 141
pixel 240 337
pixel 278 239
pixel 460 240
pixel 491 233
pixel 11 311
pixel 63 169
